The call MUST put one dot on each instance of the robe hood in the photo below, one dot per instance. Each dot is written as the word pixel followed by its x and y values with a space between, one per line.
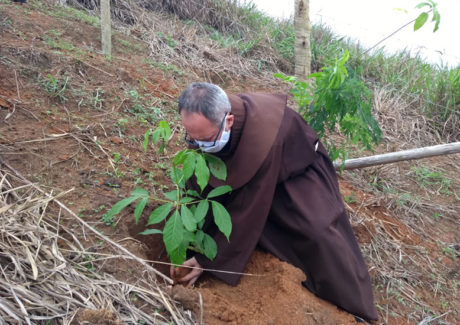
pixel 257 122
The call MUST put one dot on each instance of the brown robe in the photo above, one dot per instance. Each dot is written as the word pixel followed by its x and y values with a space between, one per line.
pixel 286 199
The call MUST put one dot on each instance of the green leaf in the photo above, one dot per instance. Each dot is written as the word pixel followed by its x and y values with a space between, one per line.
pixel 165 130
pixel 201 210
pixel 187 219
pixel 193 193
pixel 423 4
pixel 145 143
pixel 222 219
pixel 216 166
pixel 420 21
pixel 199 238
pixel 189 237
pixel 171 195
pixel 139 192
pixel 173 232
pixel 159 214
pixel 437 19
pixel 186 199
pixel 209 246
pixel 139 208
pixel 117 207
pixel 189 165
pixel 219 191
pixel 178 255
pixel 177 176
pixel 201 172
pixel 179 157
pixel 155 136
pixel 150 232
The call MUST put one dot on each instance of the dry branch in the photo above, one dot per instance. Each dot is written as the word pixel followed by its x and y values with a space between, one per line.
pixel 387 158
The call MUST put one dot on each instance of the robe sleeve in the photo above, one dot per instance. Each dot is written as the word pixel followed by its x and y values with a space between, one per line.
pixel 249 207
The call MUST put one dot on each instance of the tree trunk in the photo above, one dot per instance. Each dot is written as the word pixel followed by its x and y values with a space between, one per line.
pixel 302 51
pixel 106 27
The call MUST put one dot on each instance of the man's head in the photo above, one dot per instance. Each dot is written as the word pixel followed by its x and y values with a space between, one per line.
pixel 206 114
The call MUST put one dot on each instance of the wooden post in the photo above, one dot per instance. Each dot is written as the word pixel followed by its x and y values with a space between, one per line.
pixel 442 149
pixel 106 27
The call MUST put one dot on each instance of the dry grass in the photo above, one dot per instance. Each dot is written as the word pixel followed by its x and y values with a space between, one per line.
pixel 174 33
pixel 48 275
pixel 413 255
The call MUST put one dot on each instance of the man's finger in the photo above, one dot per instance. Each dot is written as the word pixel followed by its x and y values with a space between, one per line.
pixel 192 282
pixel 193 274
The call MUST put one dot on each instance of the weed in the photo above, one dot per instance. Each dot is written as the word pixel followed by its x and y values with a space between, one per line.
pixel 124 43
pixel 6 22
pixel 108 220
pixel 352 198
pixel 166 68
pixel 69 13
pixel 56 87
pixel 99 208
pixel 58 44
pixel 98 99
pixel 143 110
pixel 89 264
pixel 429 179
pixel 133 296
pixel 449 251
pixel 171 42
pixel 116 157
pixel 121 124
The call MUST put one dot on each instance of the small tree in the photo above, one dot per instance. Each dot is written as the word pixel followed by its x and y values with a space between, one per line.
pixel 336 102
pixel 183 210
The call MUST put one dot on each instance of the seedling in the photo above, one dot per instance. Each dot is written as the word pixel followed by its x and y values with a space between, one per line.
pixel 337 102
pixel 97 99
pixel 183 210
pixel 56 87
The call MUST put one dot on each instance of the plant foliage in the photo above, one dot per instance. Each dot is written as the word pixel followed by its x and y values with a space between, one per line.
pixel 423 17
pixel 183 211
pixel 336 102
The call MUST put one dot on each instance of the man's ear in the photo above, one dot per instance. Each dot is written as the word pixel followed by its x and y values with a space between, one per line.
pixel 230 119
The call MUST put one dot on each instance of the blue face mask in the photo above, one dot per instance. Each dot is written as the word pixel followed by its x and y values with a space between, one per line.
pixel 216 146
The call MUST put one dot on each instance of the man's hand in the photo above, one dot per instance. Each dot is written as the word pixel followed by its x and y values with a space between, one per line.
pixel 190 278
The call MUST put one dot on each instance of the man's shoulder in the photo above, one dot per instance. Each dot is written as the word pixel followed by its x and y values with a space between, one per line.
pixel 269 100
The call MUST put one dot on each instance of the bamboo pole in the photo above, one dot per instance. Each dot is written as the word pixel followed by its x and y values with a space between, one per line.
pixel 387 158
pixel 106 27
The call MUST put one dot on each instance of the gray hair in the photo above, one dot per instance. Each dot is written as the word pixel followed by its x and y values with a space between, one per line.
pixel 207 99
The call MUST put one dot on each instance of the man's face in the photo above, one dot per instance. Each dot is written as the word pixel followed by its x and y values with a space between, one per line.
pixel 200 128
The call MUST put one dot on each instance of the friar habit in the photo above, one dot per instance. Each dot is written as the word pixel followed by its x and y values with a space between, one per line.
pixel 286 199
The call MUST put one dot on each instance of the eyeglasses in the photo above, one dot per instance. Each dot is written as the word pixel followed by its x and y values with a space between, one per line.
pixel 195 143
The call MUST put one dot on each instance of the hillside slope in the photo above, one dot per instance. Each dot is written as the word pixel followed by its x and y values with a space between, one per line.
pixel 72 119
